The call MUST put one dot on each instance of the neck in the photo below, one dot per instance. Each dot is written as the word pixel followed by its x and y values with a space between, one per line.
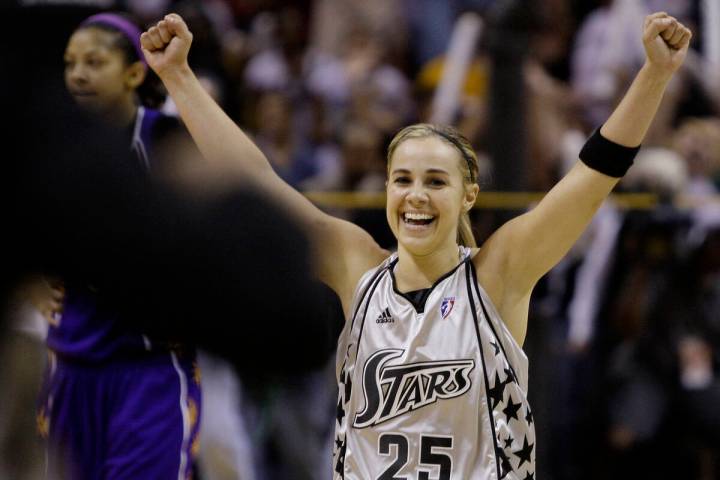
pixel 122 116
pixel 414 272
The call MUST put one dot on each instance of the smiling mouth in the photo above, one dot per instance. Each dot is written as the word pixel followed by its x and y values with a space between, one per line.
pixel 417 219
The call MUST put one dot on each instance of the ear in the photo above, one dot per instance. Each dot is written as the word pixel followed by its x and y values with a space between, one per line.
pixel 135 75
pixel 471 193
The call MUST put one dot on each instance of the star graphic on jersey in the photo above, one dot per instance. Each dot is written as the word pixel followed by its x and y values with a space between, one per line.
pixel 338 443
pixel 524 453
pixel 340 465
pixel 529 416
pixel 505 465
pixel 529 476
pixel 511 409
pixel 496 347
pixel 509 441
pixel 343 377
pixel 497 392
pixel 340 412
pixel 348 387
pixel 511 377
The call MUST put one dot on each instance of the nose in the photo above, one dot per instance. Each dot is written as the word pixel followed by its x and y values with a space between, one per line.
pixel 417 195
pixel 76 74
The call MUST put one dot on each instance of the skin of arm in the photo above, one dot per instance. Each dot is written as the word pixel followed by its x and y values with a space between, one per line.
pixel 527 247
pixel 342 251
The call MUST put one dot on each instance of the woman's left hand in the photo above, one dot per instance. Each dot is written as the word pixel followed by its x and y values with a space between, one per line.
pixel 666 42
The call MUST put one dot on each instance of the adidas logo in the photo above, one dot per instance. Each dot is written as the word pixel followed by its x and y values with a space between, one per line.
pixel 385 317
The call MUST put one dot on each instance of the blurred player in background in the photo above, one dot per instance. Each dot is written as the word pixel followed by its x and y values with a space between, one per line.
pixel 105 380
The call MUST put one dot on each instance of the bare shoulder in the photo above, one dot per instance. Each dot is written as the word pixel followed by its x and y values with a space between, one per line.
pixel 489 265
pixel 355 252
pixel 492 264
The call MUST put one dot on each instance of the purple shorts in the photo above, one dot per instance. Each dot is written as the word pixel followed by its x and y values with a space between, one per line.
pixel 130 419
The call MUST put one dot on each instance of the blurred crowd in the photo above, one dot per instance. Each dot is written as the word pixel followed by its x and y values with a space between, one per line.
pixel 624 335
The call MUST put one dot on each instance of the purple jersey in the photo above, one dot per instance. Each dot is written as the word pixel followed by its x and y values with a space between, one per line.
pixel 130 419
pixel 89 330
pixel 115 405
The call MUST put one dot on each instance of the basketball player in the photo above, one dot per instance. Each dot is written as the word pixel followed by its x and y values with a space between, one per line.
pixel 106 74
pixel 432 378
pixel 116 404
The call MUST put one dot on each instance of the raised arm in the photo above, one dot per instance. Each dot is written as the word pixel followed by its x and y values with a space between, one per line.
pixel 342 250
pixel 528 246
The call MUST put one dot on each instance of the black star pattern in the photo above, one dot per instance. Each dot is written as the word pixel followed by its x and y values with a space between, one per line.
pixel 505 465
pixel 509 441
pixel 510 373
pixel 511 409
pixel 340 412
pixel 497 392
pixel 338 443
pixel 524 453
pixel 496 347
pixel 348 387
pixel 529 476
pixel 340 465
pixel 529 416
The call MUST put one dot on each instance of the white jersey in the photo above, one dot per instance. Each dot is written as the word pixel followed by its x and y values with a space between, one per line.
pixel 432 395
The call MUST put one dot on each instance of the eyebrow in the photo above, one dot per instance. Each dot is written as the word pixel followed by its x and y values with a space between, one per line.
pixel 405 171
pixel 94 50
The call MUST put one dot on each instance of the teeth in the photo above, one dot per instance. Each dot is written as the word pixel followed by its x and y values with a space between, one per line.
pixel 417 216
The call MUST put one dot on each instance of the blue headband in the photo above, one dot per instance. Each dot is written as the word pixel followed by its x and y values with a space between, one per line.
pixel 121 24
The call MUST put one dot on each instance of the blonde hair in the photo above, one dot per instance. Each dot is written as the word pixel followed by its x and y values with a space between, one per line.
pixel 468 164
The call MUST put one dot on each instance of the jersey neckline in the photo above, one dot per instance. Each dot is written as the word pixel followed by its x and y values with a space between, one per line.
pixel 417 299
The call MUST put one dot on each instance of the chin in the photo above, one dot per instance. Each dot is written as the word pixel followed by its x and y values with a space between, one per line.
pixel 418 246
pixel 90 104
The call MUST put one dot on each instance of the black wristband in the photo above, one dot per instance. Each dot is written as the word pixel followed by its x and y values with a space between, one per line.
pixel 607 157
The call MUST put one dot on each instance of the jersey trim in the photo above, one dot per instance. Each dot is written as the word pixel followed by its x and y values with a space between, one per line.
pixel 374 285
pixel 362 297
pixel 492 326
pixel 468 271
pixel 429 290
pixel 137 143
pixel 185 416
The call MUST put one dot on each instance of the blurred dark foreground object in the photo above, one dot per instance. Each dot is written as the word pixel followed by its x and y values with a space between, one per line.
pixel 228 272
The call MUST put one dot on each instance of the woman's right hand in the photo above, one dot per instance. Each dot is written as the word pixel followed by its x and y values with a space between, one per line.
pixel 167 44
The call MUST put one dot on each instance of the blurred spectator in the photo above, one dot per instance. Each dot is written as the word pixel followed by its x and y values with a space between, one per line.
pixel 279 39
pixel 361 84
pixel 698 142
pixel 606 54
pixel 362 152
pixel 297 159
pixel 386 20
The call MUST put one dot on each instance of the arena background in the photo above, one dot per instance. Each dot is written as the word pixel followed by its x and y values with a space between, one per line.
pixel 624 334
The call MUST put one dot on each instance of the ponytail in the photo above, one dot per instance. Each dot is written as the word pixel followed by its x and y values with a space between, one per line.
pixel 465 236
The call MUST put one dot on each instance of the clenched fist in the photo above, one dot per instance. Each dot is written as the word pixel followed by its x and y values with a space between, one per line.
pixel 166 45
pixel 666 42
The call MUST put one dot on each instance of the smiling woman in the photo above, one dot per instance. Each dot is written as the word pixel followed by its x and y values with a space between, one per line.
pixel 431 374
pixel 468 168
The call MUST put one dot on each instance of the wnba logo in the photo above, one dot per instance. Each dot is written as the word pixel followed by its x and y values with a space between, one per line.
pixel 446 306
